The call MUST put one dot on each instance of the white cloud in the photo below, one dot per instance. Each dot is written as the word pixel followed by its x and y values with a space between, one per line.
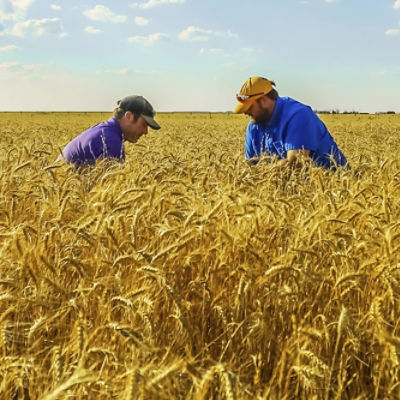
pixel 6 6
pixel 154 3
pixel 7 16
pixel 8 47
pixel 30 67
pixel 396 4
pixel 92 30
pixel 37 27
pixel 125 70
pixel 13 9
pixel 194 33
pixel 247 50
pixel 211 51
pixel 147 40
pixel 55 7
pixel 21 4
pixel 392 32
pixel 141 21
pixel 11 66
pixel 104 14
pixel 63 34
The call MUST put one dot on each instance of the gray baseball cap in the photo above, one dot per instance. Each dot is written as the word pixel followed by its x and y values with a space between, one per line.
pixel 139 105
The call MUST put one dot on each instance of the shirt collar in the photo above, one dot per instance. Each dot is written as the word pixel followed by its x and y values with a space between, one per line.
pixel 277 109
pixel 114 122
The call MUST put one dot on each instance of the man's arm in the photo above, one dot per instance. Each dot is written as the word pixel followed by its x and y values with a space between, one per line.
pixel 295 158
pixel 248 143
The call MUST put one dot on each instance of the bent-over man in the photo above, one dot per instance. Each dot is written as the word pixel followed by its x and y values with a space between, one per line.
pixel 131 119
pixel 284 127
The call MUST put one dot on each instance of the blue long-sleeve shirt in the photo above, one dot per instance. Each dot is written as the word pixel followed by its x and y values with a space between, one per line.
pixel 293 126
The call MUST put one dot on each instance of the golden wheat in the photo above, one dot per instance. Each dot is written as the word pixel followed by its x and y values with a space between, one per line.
pixel 185 273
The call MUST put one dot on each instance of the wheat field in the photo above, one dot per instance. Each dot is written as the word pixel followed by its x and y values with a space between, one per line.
pixel 187 274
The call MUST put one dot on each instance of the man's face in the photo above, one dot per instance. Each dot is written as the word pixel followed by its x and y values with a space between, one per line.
pixel 133 128
pixel 261 111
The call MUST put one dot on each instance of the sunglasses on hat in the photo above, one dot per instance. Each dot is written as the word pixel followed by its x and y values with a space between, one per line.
pixel 242 97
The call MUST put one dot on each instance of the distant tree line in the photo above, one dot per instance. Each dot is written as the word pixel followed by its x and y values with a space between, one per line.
pixel 336 111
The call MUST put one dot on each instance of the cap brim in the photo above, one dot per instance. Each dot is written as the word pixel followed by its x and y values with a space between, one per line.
pixel 245 106
pixel 241 108
pixel 151 122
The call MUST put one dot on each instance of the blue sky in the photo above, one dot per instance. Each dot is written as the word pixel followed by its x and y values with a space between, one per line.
pixel 194 54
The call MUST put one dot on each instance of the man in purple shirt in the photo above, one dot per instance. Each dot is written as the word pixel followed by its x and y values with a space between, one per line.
pixel 130 121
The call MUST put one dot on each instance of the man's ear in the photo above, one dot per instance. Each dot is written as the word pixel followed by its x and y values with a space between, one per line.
pixel 265 101
pixel 130 116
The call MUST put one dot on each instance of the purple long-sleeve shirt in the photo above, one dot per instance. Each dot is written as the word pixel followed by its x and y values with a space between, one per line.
pixel 104 140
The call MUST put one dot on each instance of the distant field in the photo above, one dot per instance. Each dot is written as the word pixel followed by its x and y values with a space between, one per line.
pixel 187 274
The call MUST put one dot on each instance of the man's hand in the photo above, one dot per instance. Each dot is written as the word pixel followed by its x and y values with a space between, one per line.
pixel 295 158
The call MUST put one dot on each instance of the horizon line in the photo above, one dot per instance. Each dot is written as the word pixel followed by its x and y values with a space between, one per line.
pixel 334 111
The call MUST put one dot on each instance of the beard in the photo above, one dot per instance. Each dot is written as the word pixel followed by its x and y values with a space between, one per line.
pixel 263 118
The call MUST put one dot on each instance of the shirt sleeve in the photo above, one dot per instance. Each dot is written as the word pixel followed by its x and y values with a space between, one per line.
pixel 303 131
pixel 248 145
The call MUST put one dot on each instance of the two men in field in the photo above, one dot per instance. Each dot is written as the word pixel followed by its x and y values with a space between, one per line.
pixel 131 119
pixel 280 127
pixel 284 128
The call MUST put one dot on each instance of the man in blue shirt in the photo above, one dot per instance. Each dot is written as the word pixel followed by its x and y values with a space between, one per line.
pixel 130 121
pixel 285 128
